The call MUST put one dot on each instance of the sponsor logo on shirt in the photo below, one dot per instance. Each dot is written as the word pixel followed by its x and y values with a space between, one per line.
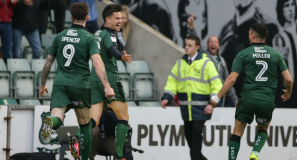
pixel 72 32
pixel 260 50
pixel 113 39
pixel 98 33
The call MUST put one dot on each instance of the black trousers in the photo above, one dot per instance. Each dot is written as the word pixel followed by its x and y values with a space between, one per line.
pixel 193 134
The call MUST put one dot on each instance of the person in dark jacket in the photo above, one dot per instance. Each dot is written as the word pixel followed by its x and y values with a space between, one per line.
pixel 91 24
pixel 5 26
pixel 25 22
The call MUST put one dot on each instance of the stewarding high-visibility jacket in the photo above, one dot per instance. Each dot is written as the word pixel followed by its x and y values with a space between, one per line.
pixel 194 85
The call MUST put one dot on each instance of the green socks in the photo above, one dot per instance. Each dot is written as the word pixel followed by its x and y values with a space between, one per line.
pixel 93 125
pixel 85 140
pixel 260 139
pixel 234 145
pixel 121 133
pixel 56 122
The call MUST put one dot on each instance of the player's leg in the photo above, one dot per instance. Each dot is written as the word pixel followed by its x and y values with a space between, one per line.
pixel 52 122
pixel 97 101
pixel 59 102
pixel 260 140
pixel 84 120
pixel 81 103
pixel 121 110
pixel 234 143
pixel 244 114
pixel 263 117
pixel 96 112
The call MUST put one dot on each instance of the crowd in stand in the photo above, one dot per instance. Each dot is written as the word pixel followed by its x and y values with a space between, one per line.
pixel 29 18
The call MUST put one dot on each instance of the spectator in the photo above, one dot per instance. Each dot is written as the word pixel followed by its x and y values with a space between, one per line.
pixel 59 7
pixel 25 22
pixel 213 46
pixel 5 26
pixel 91 25
pixel 193 78
pixel 125 28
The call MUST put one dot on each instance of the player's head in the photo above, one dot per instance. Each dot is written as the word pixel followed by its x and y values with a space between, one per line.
pixel 192 45
pixel 79 12
pixel 286 11
pixel 258 33
pixel 112 16
pixel 213 45
pixel 243 5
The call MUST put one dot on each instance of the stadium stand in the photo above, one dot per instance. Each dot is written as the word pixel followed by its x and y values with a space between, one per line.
pixel 8 102
pixel 23 78
pixel 131 103
pixel 125 79
pixel 46 102
pixel 46 41
pixel 5 81
pixel 143 84
pixel 29 102
pixel 37 66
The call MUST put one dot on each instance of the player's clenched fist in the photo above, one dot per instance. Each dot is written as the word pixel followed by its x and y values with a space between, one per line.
pixel 126 57
pixel 42 91
pixel 109 92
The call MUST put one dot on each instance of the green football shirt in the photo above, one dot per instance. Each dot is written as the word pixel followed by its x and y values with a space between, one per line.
pixel 107 38
pixel 261 65
pixel 73 48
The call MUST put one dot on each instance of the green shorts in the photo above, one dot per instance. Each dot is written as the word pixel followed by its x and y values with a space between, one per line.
pixel 247 108
pixel 71 97
pixel 98 93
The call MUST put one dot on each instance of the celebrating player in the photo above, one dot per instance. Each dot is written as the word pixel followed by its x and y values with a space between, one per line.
pixel 109 53
pixel 73 48
pixel 261 65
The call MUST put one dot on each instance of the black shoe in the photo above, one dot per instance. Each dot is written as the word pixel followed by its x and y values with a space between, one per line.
pixel 116 157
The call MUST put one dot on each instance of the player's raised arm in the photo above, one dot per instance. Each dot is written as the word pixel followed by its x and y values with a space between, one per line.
pixel 45 72
pixel 289 85
pixel 100 70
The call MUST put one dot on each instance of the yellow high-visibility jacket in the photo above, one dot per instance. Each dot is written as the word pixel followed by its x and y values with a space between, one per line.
pixel 194 85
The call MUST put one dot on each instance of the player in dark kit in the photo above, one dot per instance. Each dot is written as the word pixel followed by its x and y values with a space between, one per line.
pixel 261 65
pixel 73 48
pixel 109 53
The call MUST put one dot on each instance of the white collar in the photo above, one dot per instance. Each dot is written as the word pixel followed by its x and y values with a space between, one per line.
pixel 193 58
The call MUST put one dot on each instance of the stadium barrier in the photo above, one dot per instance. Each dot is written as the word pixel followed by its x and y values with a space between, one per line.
pixel 158 132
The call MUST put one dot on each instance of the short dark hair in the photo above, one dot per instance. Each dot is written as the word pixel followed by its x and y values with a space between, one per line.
pixel 79 11
pixel 194 38
pixel 109 9
pixel 261 30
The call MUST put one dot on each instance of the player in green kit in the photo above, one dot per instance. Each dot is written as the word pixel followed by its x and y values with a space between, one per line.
pixel 109 53
pixel 73 48
pixel 261 65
